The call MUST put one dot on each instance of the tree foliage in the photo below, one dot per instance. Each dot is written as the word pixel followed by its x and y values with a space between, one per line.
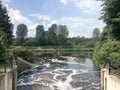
pixel 62 34
pixel 3 43
pixel 111 16
pixel 96 34
pixel 5 23
pixel 108 49
pixel 6 28
pixel 53 34
pixel 110 46
pixel 21 33
pixel 39 38
pixel 57 35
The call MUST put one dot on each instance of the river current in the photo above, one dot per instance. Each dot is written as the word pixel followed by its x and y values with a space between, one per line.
pixel 72 74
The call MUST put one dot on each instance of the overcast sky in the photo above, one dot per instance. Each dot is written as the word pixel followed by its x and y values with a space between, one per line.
pixel 80 16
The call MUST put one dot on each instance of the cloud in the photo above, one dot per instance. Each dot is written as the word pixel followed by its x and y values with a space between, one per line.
pixel 17 18
pixel 41 17
pixel 5 1
pixel 79 26
pixel 64 1
pixel 88 6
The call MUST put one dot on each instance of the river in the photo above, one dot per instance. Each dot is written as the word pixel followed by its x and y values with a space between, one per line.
pixel 72 74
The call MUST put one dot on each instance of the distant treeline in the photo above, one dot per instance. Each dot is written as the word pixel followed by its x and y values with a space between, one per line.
pixel 56 35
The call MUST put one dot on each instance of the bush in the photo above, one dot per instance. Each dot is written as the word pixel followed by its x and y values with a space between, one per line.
pixel 25 54
pixel 109 49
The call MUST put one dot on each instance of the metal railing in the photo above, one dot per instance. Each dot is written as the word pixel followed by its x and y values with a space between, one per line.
pixel 112 65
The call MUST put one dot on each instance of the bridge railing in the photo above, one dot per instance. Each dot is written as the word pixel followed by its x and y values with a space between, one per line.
pixel 112 65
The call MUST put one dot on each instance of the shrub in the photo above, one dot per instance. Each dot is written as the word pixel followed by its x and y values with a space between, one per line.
pixel 109 49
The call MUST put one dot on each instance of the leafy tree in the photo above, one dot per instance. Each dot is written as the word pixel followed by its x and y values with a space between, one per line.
pixel 3 43
pixel 62 34
pixel 53 34
pixel 5 23
pixel 21 33
pixel 96 34
pixel 111 16
pixel 40 35
pixel 47 42
pixel 110 46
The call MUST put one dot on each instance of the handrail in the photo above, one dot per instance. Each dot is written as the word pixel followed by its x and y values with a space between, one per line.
pixel 112 65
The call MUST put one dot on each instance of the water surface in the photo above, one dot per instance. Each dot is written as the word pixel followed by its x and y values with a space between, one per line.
pixel 72 74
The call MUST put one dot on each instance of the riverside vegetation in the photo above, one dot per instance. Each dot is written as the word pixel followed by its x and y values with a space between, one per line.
pixel 110 37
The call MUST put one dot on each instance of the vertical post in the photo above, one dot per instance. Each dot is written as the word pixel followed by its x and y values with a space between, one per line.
pixel 108 64
pixel 5 65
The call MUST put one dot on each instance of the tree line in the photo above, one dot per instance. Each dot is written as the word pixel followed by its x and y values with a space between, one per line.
pixel 55 35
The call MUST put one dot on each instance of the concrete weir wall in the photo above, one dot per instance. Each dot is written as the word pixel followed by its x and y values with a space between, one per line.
pixel 109 81
pixel 8 80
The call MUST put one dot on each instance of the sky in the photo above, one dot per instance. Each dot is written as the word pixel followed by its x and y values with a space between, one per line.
pixel 80 16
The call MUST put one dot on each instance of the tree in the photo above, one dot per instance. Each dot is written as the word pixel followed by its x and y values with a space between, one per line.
pixel 21 33
pixel 62 34
pixel 3 43
pixel 5 23
pixel 40 35
pixel 47 42
pixel 96 34
pixel 110 47
pixel 53 34
pixel 111 16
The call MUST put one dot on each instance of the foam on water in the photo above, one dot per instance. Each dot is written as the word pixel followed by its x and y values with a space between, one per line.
pixel 61 78
pixel 64 85
pixel 47 64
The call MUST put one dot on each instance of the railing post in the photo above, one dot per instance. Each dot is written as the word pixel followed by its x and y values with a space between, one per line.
pixel 5 65
pixel 108 64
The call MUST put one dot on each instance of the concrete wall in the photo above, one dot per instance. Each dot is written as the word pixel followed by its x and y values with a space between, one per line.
pixel 2 81
pixel 8 80
pixel 108 81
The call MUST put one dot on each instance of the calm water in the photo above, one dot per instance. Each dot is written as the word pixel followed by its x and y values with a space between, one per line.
pixel 72 74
